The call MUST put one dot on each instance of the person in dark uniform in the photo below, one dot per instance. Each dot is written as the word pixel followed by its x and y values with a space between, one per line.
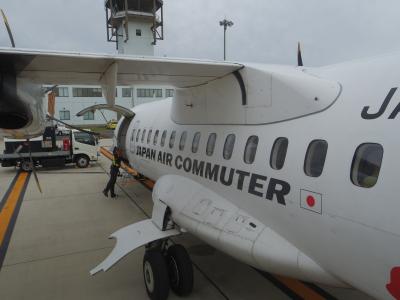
pixel 114 171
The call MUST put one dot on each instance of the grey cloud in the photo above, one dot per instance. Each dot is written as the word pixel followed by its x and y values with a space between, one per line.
pixel 264 31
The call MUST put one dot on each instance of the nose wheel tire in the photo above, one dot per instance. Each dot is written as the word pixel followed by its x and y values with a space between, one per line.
pixel 155 275
pixel 180 270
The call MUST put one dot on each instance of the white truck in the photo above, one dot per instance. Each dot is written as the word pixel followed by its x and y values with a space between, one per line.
pixel 54 149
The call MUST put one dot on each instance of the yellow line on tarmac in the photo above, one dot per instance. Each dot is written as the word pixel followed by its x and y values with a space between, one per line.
pixel 299 288
pixel 7 212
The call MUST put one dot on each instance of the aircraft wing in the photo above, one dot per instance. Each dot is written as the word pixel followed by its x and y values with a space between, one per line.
pixel 24 71
pixel 52 67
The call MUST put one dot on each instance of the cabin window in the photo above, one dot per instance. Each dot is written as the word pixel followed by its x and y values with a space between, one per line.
pixel 163 137
pixel 182 141
pixel 315 158
pixel 155 139
pixel 366 165
pixel 149 136
pixel 251 149
pixel 211 143
pixel 137 135
pixel 196 141
pixel 133 134
pixel 278 153
pixel 228 146
pixel 172 139
pixel 143 135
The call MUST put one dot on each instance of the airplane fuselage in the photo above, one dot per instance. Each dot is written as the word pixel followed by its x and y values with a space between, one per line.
pixel 351 231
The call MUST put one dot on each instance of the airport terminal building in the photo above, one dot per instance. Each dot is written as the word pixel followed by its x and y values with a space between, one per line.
pixel 72 99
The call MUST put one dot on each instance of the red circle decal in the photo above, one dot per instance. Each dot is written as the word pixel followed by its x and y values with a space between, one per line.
pixel 310 201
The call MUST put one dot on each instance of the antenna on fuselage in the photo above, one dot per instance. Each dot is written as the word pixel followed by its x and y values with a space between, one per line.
pixel 299 56
pixel 8 28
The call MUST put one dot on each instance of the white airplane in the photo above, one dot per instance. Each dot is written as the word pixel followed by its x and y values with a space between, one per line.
pixel 291 170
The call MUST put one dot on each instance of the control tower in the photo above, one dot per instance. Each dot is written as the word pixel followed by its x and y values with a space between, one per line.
pixel 134 25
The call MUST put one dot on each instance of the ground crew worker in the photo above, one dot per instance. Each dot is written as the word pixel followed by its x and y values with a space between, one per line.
pixel 114 171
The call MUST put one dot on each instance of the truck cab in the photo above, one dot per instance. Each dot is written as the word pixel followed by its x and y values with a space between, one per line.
pixel 84 148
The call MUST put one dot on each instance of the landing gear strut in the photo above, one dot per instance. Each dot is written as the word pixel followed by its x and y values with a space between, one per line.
pixel 167 267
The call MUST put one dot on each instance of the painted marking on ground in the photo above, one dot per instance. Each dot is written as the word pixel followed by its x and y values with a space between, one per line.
pixel 293 288
pixel 9 209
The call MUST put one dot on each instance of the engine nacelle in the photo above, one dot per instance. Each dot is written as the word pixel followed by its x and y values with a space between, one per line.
pixel 21 107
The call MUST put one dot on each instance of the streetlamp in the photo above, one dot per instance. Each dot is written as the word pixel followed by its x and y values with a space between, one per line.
pixel 225 23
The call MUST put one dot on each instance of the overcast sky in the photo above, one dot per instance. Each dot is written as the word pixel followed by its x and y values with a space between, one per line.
pixel 264 31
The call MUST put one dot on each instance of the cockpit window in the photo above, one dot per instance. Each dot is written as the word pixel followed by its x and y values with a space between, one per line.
pixel 315 158
pixel 366 165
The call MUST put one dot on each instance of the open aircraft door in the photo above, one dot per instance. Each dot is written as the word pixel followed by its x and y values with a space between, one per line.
pixel 123 126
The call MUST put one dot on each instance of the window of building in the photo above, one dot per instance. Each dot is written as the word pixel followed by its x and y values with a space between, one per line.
pixel 228 146
pixel 156 137
pixel 149 136
pixel 138 32
pixel 133 134
pixel 127 92
pixel 172 139
pixel 88 115
pixel 182 141
pixel 315 158
pixel 278 153
pixel 61 92
pixel 211 143
pixel 87 92
pixel 149 93
pixel 137 136
pixel 366 165
pixel 196 141
pixel 143 135
pixel 64 114
pixel 163 137
pixel 169 93
pixel 251 149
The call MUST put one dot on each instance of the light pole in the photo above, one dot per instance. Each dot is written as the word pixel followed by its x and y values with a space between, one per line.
pixel 225 23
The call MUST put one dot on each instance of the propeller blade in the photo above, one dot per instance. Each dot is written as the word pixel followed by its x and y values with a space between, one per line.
pixel 8 29
pixel 34 168
pixel 299 57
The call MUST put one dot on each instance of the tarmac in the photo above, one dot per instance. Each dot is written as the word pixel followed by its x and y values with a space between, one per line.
pixel 59 235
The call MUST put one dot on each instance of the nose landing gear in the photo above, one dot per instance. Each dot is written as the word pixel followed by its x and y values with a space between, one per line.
pixel 167 267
